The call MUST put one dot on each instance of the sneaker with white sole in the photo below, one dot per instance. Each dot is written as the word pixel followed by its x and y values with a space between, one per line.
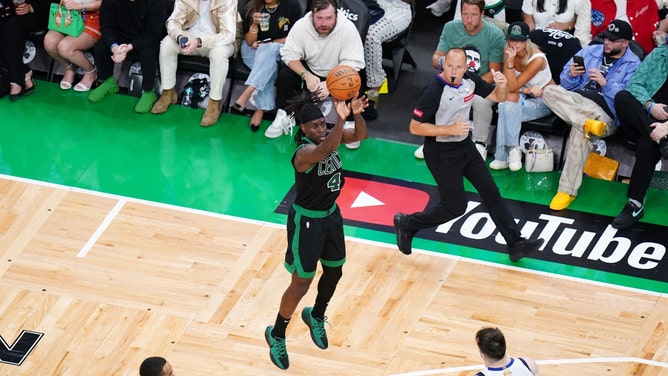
pixel 482 149
pixel 439 7
pixel 281 125
pixel 515 159
pixel 629 216
pixel 498 164
pixel 352 145
pixel 419 152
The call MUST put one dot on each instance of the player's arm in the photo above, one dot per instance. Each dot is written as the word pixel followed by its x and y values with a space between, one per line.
pixel 357 106
pixel 532 366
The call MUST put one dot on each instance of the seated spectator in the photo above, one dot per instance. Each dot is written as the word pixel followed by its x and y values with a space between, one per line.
pixel 189 34
pixel 31 15
pixel 644 120
pixel 156 366
pixel 527 72
pixel 128 26
pixel 568 15
pixel 397 17
pixel 492 345
pixel 585 100
pixel 318 42
pixel 260 51
pixel 69 51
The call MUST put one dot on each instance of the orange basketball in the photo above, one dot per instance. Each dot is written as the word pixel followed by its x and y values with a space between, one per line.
pixel 343 82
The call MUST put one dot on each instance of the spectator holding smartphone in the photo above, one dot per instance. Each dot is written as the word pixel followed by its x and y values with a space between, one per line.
pixel 585 100
pixel 260 51
pixel 203 28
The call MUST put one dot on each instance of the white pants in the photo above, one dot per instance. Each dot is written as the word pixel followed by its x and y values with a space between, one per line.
pixel 218 55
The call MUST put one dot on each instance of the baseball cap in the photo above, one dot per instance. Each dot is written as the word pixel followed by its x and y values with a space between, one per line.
pixel 518 31
pixel 618 29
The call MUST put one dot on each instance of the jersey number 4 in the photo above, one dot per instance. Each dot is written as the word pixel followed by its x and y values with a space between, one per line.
pixel 334 183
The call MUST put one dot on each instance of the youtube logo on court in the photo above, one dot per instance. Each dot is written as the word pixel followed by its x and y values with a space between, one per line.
pixel 371 201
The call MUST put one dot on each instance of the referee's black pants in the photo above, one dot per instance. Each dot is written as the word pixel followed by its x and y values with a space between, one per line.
pixel 449 163
pixel 636 126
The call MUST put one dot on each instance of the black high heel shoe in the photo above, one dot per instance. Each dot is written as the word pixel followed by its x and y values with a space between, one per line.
pixel 24 91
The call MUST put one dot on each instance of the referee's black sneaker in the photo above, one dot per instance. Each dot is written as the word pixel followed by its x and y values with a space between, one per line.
pixel 404 236
pixel 523 247
pixel 628 217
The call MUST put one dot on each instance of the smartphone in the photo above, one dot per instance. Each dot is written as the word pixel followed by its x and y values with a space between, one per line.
pixel 265 40
pixel 183 42
pixel 579 60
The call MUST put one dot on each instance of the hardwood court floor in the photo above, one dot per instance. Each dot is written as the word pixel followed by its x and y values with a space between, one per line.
pixel 110 281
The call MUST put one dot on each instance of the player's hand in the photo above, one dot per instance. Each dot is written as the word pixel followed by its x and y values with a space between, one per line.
pixel 342 109
pixel 357 105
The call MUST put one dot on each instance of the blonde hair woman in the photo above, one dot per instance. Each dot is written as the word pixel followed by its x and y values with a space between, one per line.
pixel 527 73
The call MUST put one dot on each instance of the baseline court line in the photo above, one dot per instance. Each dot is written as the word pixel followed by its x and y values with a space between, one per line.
pixel 543 362
pixel 103 226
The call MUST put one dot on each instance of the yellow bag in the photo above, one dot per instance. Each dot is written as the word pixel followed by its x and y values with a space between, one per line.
pixel 600 167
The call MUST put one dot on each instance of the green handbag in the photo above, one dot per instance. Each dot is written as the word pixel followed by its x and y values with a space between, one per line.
pixel 69 22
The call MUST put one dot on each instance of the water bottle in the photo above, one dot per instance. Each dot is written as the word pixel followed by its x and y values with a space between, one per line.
pixel 187 96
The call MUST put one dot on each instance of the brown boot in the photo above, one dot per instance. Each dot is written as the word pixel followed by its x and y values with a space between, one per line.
pixel 168 97
pixel 211 114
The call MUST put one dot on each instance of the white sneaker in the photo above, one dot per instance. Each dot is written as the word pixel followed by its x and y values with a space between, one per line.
pixel 419 152
pixel 439 7
pixel 515 159
pixel 282 124
pixel 498 164
pixel 482 149
pixel 352 145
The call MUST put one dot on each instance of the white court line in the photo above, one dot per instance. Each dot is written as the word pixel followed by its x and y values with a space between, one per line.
pixel 103 226
pixel 275 225
pixel 542 362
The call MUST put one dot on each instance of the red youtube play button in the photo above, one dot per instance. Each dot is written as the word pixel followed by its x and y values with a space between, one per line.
pixel 375 202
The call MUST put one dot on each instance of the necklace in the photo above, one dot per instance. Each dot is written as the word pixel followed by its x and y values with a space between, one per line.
pixel 270 10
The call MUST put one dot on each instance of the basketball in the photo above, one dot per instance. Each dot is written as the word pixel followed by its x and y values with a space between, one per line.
pixel 343 82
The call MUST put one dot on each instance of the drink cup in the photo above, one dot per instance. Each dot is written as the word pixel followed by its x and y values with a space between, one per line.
pixel 264 21
pixel 18 2
pixel 660 39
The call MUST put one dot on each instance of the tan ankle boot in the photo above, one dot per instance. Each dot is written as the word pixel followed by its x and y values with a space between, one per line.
pixel 211 114
pixel 168 97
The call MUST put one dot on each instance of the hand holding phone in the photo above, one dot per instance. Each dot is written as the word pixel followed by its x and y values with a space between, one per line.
pixel 578 60
pixel 183 41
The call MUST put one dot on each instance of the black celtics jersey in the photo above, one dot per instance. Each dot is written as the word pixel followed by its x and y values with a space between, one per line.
pixel 319 186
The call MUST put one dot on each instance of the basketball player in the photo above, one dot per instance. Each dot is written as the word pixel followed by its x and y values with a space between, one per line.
pixel 156 366
pixel 315 226
pixel 442 116
pixel 492 346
